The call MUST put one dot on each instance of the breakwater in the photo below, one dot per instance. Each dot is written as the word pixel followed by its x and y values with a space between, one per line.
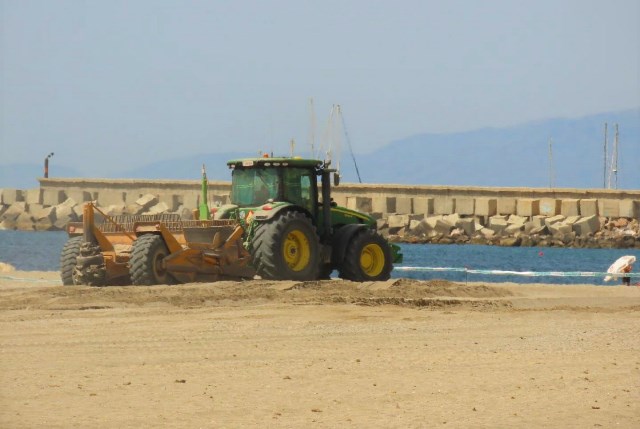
pixel 434 214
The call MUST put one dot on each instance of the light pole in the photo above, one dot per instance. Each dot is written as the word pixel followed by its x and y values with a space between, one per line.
pixel 46 165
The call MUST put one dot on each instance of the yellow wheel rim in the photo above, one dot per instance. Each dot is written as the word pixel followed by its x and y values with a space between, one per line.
pixel 297 251
pixel 372 260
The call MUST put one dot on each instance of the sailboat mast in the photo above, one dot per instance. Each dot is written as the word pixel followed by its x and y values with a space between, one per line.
pixel 604 171
pixel 615 165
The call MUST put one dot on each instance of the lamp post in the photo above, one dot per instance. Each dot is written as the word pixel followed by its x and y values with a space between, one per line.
pixel 46 165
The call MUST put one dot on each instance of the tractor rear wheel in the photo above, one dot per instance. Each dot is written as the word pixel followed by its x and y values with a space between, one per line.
pixel 68 256
pixel 367 258
pixel 145 265
pixel 286 248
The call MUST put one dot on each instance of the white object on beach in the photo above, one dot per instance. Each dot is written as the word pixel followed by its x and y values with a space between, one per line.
pixel 618 266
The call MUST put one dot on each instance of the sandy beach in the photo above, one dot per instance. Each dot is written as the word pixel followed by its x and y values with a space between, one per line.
pixel 399 354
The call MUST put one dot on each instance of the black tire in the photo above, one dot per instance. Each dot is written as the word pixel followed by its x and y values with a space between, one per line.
pixel 68 257
pixel 145 265
pixel 367 258
pixel 90 267
pixel 286 248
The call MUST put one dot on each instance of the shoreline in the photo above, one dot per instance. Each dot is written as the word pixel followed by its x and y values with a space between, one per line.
pixel 331 354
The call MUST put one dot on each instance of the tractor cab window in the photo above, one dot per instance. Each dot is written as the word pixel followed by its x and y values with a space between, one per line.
pixel 299 187
pixel 251 187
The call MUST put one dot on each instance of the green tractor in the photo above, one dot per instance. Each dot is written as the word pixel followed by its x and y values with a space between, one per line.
pixel 293 229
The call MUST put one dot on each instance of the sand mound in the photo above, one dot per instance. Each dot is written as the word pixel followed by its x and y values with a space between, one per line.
pixel 6 268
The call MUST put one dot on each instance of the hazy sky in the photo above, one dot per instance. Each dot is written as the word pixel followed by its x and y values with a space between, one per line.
pixel 111 84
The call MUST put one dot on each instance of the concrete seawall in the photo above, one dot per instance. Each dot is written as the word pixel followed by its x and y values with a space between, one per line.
pixel 409 213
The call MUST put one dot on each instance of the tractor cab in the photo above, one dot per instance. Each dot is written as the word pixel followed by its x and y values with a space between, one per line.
pixel 290 231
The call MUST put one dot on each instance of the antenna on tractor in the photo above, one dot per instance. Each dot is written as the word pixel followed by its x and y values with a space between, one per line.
pixel 552 172
pixel 604 171
pixel 614 162
pixel 346 135
pixel 312 127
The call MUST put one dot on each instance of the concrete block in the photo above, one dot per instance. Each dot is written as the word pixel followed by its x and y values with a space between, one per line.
pixel 9 196
pixel 506 206
pixel 487 233
pixel 379 204
pixel 468 225
pixel 159 208
pixel 110 198
pixel 589 207
pixel 40 213
pixel 79 196
pixel 527 207
pixel 433 220
pixel 609 208
pixel 554 219
pixel 516 220
pixel 444 205
pixel 538 221
pixel 486 207
pixel 44 224
pixel 190 200
pixel 423 206
pixel 497 224
pixel 442 227
pixel 630 209
pixel 131 197
pixel 418 227
pixel 404 205
pixel 65 213
pixel 33 196
pixel 570 207
pixel 361 204
pixel 148 200
pixel 549 206
pixel 587 225
pixel 465 206
pixel 514 228
pixel 451 219
pixel 398 220
pixel 52 197
pixel 570 220
pixel 559 228
pixel 14 210
pixel 24 222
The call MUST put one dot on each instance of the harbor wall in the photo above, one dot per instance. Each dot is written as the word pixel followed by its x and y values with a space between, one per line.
pixel 369 198
pixel 426 214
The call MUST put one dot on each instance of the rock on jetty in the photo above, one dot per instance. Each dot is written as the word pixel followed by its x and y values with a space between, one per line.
pixel 544 231
pixel 27 210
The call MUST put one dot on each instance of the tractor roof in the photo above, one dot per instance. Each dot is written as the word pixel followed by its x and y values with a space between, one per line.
pixel 274 162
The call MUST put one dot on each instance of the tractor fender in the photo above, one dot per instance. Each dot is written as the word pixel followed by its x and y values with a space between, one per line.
pixel 341 240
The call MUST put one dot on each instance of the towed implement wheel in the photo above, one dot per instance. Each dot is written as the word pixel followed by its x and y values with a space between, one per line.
pixel 68 256
pixel 286 248
pixel 367 258
pixel 90 268
pixel 145 265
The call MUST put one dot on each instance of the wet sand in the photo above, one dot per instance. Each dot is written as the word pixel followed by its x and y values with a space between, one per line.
pixel 327 354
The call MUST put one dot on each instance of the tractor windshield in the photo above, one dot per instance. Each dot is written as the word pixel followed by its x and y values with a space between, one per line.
pixel 253 187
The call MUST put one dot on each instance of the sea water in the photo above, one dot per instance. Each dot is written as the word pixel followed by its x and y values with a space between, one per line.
pixel 40 251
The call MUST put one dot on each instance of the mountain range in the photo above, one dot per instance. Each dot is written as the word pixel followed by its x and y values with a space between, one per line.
pixel 558 152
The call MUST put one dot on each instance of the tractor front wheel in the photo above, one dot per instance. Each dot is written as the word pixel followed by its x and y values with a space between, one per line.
pixel 145 265
pixel 286 248
pixel 367 258
pixel 68 257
